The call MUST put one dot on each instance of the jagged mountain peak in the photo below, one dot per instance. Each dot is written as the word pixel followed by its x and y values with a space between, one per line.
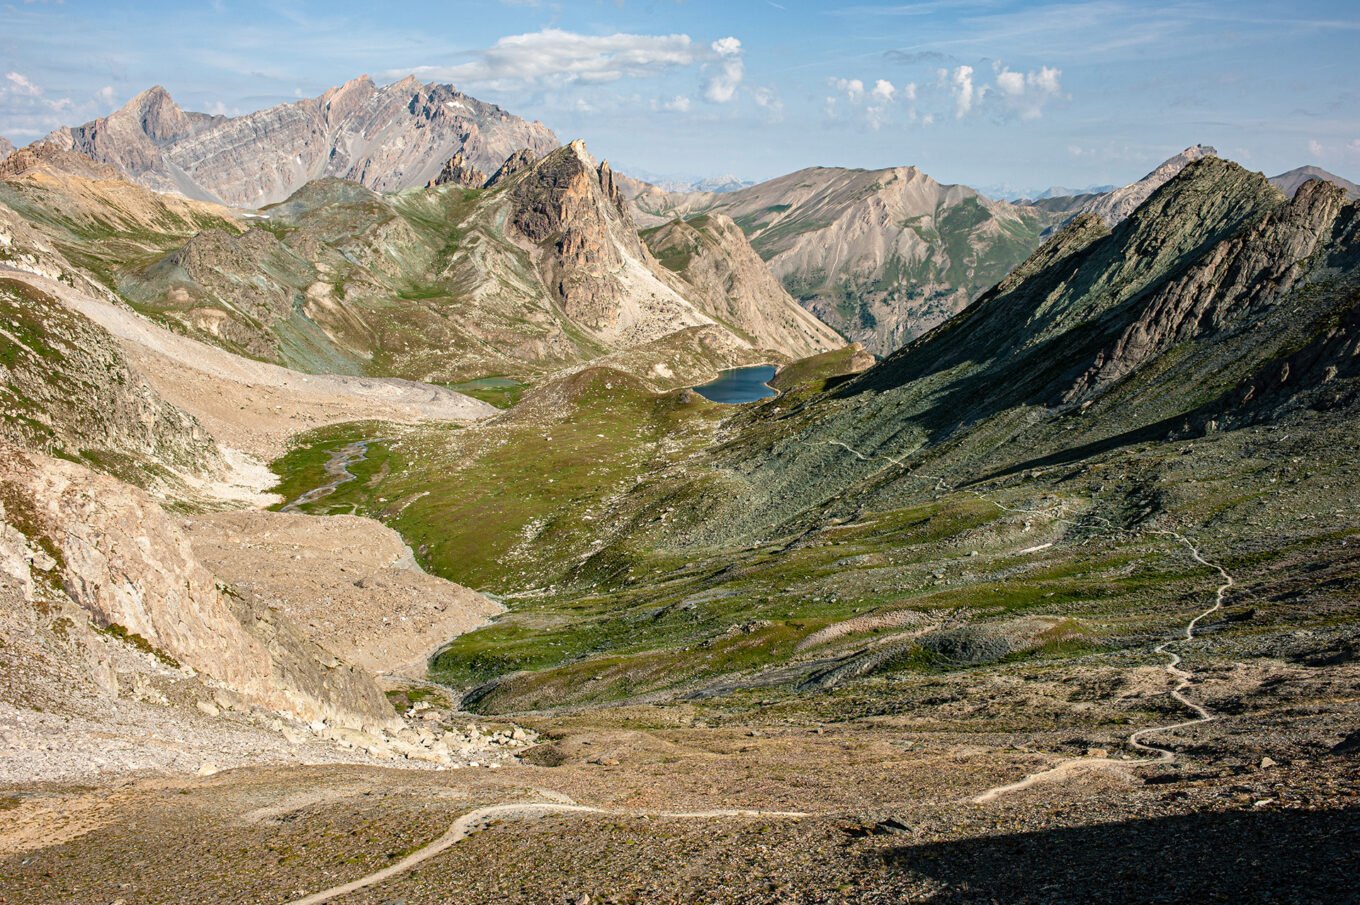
pixel 390 138
pixel 514 163
pixel 1114 206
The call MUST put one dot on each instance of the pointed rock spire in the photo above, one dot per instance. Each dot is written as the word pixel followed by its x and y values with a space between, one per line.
pixel 516 162
pixel 458 171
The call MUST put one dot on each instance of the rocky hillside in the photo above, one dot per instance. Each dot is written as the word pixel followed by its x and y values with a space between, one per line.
pixel 1163 325
pixel 388 138
pixel 68 390
pixel 68 217
pixel 880 255
pixel 139 650
pixel 115 553
pixel 734 287
pixel 6 148
pixel 540 270
pixel 1291 181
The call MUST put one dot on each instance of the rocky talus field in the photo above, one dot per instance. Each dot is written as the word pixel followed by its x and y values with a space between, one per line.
pixel 363 539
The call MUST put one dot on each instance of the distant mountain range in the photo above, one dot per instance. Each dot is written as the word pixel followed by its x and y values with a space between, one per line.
pixel 881 255
pixel 389 138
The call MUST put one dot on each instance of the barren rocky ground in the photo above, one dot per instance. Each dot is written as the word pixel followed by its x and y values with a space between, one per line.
pixel 351 583
pixel 889 818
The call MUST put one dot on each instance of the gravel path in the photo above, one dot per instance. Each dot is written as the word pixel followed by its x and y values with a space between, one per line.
pixel 1184 679
pixel 473 821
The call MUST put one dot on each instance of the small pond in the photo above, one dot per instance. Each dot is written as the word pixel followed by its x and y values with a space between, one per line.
pixel 738 385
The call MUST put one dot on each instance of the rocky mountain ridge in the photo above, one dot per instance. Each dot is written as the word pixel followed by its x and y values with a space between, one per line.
pixel 879 255
pixel 1117 204
pixel 1203 292
pixel 388 138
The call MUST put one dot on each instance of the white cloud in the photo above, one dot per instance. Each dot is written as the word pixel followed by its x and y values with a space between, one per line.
pixel 727 47
pixel 1045 80
pixel 928 119
pixel 105 94
pixel 884 91
pixel 27 109
pixel 963 91
pixel 853 89
pixel 1354 146
pixel 677 104
pixel 1011 84
pixel 556 56
pixel 22 85
pixel 1315 147
pixel 728 71
pixel 1026 93
pixel 909 91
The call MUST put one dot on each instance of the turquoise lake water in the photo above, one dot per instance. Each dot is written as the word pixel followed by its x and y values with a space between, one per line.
pixel 739 385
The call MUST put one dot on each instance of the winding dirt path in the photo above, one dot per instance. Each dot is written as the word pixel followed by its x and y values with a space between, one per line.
pixel 473 821
pixel 1184 679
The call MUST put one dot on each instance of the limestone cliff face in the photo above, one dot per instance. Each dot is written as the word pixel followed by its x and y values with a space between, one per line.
pixel 570 212
pixel 131 138
pixel 388 138
pixel 734 287
pixel 122 559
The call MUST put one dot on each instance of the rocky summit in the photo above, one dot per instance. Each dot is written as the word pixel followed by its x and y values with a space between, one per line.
pixel 387 138
pixel 398 504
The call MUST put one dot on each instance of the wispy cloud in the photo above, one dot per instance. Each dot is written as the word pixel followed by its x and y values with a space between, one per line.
pixel 563 56
pixel 29 110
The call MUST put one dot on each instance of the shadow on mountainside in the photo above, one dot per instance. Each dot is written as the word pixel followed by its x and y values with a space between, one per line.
pixel 1234 856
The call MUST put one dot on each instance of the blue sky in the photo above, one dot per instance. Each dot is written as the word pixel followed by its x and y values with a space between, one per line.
pixel 992 92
